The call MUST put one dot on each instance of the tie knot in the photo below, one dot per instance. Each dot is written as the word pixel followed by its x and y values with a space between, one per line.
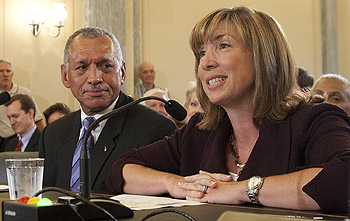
pixel 87 121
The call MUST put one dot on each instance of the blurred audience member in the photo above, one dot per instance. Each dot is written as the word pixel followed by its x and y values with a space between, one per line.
pixel 6 84
pixel 21 113
pixel 155 104
pixel 335 89
pixel 192 104
pixel 147 74
pixel 305 80
pixel 56 111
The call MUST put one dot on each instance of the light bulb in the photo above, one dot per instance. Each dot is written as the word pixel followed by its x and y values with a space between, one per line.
pixel 34 13
pixel 59 13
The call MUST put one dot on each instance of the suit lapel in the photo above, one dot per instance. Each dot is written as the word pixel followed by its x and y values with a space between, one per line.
pixel 33 144
pixel 67 148
pixel 106 141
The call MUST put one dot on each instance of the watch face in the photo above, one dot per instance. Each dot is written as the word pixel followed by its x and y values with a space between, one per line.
pixel 254 182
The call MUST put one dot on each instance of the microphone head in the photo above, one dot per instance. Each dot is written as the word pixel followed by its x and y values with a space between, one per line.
pixel 176 110
pixel 4 97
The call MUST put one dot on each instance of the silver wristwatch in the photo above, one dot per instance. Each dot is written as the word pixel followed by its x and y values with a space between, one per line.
pixel 253 186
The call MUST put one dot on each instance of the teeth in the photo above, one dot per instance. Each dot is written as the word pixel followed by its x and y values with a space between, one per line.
pixel 215 81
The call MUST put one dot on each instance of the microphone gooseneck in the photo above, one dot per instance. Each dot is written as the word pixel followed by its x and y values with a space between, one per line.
pixel 176 110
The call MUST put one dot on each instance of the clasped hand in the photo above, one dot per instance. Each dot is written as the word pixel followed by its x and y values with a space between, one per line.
pixel 212 188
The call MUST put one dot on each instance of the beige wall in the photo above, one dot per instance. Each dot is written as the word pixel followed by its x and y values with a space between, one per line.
pixel 344 37
pixel 36 60
pixel 166 25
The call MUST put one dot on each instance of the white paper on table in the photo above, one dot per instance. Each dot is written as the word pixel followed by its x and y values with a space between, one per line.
pixel 4 188
pixel 140 202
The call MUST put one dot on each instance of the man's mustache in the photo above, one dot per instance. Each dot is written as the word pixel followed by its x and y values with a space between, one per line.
pixel 95 87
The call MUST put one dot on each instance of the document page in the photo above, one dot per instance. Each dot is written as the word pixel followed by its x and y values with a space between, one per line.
pixel 140 202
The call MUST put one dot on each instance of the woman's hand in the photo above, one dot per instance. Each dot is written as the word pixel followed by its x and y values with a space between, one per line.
pixel 173 187
pixel 224 193
pixel 198 185
pixel 221 189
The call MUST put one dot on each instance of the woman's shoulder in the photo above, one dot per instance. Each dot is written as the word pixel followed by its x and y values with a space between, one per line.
pixel 317 108
pixel 312 111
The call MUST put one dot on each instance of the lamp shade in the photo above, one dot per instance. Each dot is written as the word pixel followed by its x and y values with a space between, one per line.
pixel 59 13
pixel 34 13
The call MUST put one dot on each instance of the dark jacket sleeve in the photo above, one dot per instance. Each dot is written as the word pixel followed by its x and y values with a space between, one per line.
pixel 328 146
pixel 163 155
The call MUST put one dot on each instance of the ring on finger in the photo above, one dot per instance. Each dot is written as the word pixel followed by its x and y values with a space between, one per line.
pixel 205 188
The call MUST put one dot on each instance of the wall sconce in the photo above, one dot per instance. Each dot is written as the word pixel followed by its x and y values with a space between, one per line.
pixel 36 21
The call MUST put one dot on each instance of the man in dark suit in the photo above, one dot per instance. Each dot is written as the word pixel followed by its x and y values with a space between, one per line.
pixel 21 113
pixel 94 70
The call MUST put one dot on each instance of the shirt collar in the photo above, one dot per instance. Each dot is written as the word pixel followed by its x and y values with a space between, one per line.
pixel 99 114
pixel 26 138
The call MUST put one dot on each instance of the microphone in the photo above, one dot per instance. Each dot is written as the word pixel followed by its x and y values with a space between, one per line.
pixel 4 97
pixel 176 110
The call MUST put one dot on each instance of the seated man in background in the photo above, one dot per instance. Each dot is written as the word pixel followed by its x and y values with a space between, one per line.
pixel 6 84
pixel 55 112
pixel 335 89
pixel 21 113
pixel 147 74
pixel 94 70
pixel 155 104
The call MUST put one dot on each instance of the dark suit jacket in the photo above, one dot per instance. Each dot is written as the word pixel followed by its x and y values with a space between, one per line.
pixel 32 146
pixel 131 128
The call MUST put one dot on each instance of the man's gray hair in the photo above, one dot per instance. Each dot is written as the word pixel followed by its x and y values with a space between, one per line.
pixel 336 76
pixel 92 32
pixel 4 61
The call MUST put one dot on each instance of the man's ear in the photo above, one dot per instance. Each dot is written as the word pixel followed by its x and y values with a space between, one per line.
pixel 64 76
pixel 123 72
pixel 139 74
pixel 31 113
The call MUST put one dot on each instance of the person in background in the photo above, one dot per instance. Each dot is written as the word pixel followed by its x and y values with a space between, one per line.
pixel 259 141
pixel 56 111
pixel 94 70
pixel 6 84
pixel 334 89
pixel 156 104
pixel 21 113
pixel 147 74
pixel 192 104
pixel 305 80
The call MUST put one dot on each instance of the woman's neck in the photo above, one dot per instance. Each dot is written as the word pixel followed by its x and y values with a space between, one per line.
pixel 245 131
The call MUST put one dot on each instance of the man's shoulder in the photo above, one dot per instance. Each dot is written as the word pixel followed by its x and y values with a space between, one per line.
pixel 9 143
pixel 18 89
pixel 64 122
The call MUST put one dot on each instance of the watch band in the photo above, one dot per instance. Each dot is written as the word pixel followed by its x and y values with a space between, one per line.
pixel 252 188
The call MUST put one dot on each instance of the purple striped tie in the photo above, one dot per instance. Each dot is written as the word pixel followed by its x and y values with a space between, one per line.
pixel 75 178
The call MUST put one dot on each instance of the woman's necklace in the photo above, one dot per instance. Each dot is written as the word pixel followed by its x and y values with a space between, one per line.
pixel 235 158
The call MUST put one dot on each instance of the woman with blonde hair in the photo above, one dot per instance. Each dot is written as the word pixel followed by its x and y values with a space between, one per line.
pixel 259 141
pixel 192 104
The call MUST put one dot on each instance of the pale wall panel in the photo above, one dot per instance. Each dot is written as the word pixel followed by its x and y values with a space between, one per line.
pixel 344 37
pixel 36 60
pixel 1 29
